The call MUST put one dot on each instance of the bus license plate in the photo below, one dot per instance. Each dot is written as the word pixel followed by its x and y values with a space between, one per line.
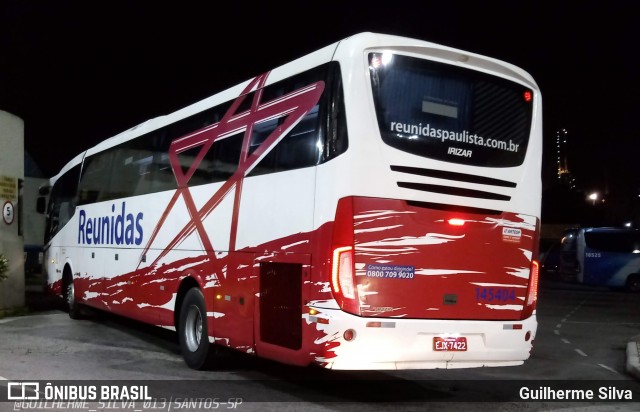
pixel 458 344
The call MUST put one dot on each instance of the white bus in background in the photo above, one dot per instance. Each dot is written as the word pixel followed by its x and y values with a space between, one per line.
pixel 372 205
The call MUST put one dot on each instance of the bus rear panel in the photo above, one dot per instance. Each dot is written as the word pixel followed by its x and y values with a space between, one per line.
pixel 434 259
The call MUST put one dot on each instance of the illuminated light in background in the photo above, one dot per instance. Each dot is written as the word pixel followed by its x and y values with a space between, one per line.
pixel 381 60
pixel 376 62
pixel 386 58
pixel 528 96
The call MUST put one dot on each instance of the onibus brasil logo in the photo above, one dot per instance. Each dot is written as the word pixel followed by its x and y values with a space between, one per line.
pixel 77 395
pixel 34 391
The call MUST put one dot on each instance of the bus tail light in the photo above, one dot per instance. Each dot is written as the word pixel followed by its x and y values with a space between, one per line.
pixel 342 272
pixel 456 222
pixel 343 282
pixel 532 292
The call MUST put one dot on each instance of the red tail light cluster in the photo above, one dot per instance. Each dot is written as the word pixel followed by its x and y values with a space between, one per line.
pixel 532 291
pixel 343 282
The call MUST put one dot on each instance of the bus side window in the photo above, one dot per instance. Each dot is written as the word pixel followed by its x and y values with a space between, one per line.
pixel 219 163
pixel 336 140
pixel 224 157
pixel 154 171
pixel 94 183
pixel 161 176
pixel 129 168
pixel 303 145
pixel 65 212
pixel 298 149
pixel 62 202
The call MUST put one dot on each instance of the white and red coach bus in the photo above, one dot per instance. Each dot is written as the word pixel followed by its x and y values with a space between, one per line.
pixel 372 205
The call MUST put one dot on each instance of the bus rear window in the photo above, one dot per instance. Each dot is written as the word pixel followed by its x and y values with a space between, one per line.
pixel 449 113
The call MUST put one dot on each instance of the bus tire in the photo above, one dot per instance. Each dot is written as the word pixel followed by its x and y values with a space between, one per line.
pixel 193 331
pixel 73 307
pixel 633 283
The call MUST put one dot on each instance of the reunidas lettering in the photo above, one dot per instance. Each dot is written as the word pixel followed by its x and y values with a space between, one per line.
pixel 118 228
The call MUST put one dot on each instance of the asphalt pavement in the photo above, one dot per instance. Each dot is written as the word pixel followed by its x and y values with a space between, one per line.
pixel 632 364
pixel 633 355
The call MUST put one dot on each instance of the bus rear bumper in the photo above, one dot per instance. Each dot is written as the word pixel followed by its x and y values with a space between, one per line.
pixel 409 343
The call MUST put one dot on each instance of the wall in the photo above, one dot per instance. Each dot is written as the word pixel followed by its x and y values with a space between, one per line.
pixel 12 290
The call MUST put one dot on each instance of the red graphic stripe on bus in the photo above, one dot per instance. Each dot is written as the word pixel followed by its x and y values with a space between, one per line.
pixel 293 106
pixel 138 294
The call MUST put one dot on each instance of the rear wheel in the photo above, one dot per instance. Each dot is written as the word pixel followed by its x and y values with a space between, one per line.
pixel 633 283
pixel 197 352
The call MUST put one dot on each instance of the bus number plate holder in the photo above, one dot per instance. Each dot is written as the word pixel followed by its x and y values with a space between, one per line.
pixel 450 344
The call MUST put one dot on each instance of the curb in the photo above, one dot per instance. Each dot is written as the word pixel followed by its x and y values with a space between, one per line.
pixel 12 312
pixel 633 358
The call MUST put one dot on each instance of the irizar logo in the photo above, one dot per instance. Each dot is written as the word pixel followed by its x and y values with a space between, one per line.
pixel 118 228
pixel 459 152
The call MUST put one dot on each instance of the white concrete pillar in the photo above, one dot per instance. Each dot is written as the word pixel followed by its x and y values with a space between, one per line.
pixel 12 291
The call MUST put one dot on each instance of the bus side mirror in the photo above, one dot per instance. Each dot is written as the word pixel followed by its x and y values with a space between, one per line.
pixel 41 204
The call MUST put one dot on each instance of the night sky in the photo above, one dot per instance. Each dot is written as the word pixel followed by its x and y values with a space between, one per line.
pixel 79 72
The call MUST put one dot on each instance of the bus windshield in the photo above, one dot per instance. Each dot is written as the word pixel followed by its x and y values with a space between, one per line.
pixel 616 241
pixel 449 113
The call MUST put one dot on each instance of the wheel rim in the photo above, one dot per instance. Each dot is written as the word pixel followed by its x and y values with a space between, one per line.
pixel 193 328
pixel 70 295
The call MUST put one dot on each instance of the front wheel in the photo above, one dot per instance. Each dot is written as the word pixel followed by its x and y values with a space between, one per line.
pixel 193 333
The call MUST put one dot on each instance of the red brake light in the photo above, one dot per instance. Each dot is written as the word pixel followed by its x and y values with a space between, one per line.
pixel 342 271
pixel 528 96
pixel 532 296
pixel 342 267
pixel 532 292
pixel 456 222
